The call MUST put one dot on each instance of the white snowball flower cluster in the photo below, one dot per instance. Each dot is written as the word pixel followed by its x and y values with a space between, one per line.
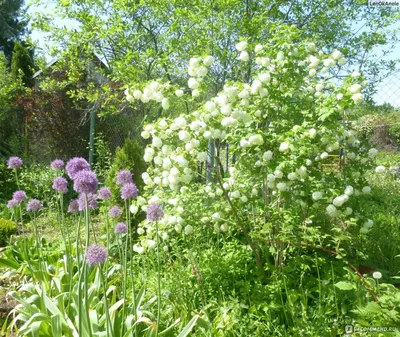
pixel 380 169
pixel 366 226
pixel 152 92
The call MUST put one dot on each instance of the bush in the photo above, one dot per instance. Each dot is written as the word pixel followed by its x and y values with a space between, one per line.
pixel 7 228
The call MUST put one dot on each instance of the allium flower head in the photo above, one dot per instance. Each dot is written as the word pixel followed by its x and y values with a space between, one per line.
pixel 60 185
pixel 154 212
pixel 33 205
pixel 104 193
pixel 12 203
pixel 115 212
pixel 120 227
pixel 19 196
pixel 92 202
pixel 57 164
pixel 129 191
pixel 73 206
pixel 95 254
pixel 14 162
pixel 124 177
pixel 76 165
pixel 85 182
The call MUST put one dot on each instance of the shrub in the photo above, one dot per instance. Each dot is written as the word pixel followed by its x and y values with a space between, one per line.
pixel 7 228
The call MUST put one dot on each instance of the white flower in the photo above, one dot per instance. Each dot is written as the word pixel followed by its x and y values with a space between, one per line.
pixel 373 152
pixel 342 61
pixel 145 134
pixel 267 155
pixel 331 210
pixel 308 162
pixel 380 169
pixel 244 56
pixel 179 93
pixel 364 230
pixel 348 211
pixel 208 60
pixel 292 176
pixel 311 47
pixel 256 140
pixel 324 155
pixel 165 248
pixel 258 48
pixel 284 147
pixel 224 228
pixel 312 133
pixel 157 142
pixel 319 87
pixel 195 93
pixel 243 198
pixel 312 72
pixel 317 196
pixel 329 63
pixel 264 77
pixel 366 189
pixel 140 231
pixel 178 228
pixel 377 275
pixel 369 223
pixel 165 103
pixel 180 122
pixel 355 74
pixel 210 106
pixel 164 236
pixel 245 143
pixel 281 187
pixel 349 190
pixel 133 209
pixel 192 83
pixel 202 156
pixel 194 62
pixel 338 201
pixel 184 136
pixel 241 46
pixel 339 96
pixel 355 88
pixel 151 243
pixel 336 54
pixel 201 71
pixel 188 229
pixel 278 174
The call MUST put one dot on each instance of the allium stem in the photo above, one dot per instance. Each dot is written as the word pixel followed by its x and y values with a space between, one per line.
pixel 159 281
pixel 109 330
pixel 87 227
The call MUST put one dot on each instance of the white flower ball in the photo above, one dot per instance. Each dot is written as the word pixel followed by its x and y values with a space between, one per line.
pixel 140 231
pixel 284 147
pixel 179 93
pixel 244 56
pixel 192 83
pixel 373 152
pixel 188 229
pixel 224 228
pixel 282 187
pixel 208 60
pixel 157 142
pixel 357 98
pixel 331 210
pixel 380 169
pixel 278 174
pixel 377 275
pixel 349 190
pixel 267 155
pixel 366 189
pixel 184 136
pixel 241 46
pixel 292 176
pixel 317 196
pixel 256 140
pixel 324 155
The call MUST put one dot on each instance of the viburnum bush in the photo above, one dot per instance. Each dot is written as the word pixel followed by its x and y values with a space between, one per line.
pixel 251 161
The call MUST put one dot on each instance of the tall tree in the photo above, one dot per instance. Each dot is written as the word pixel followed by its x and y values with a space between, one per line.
pixel 22 64
pixel 12 25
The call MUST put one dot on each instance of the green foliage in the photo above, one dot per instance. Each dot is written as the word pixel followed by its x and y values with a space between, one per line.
pixel 7 228
pixel 128 157
pixel 12 24
pixel 22 65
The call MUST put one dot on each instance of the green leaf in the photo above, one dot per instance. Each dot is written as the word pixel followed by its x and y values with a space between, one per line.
pixel 186 330
pixel 342 285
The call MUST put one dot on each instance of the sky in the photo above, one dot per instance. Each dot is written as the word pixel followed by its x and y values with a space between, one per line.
pixel 388 91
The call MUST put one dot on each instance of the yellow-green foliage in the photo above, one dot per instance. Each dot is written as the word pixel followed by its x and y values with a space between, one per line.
pixel 7 228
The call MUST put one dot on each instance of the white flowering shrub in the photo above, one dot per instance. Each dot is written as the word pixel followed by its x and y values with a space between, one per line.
pixel 283 128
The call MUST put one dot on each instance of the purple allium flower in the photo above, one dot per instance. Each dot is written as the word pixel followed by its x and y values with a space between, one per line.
pixel 33 205
pixel 14 162
pixel 73 206
pixel 95 254
pixel 57 164
pixel 124 177
pixel 115 212
pixel 85 182
pixel 120 227
pixel 76 165
pixel 129 191
pixel 12 203
pixel 92 202
pixel 19 196
pixel 154 212
pixel 104 193
pixel 60 185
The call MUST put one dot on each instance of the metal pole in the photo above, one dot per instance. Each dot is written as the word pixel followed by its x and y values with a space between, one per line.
pixel 91 136
pixel 210 161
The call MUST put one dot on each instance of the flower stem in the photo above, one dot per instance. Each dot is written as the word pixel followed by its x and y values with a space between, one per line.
pixel 159 281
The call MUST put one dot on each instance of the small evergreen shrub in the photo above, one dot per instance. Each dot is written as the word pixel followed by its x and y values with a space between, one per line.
pixel 7 228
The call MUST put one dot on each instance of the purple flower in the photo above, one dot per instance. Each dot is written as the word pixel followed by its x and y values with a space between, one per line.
pixel 33 205
pixel 19 196
pixel 124 177
pixel 104 193
pixel 14 162
pixel 57 164
pixel 129 191
pixel 60 185
pixel 92 202
pixel 154 212
pixel 85 182
pixel 73 206
pixel 76 165
pixel 115 212
pixel 95 254
pixel 120 227
pixel 12 203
